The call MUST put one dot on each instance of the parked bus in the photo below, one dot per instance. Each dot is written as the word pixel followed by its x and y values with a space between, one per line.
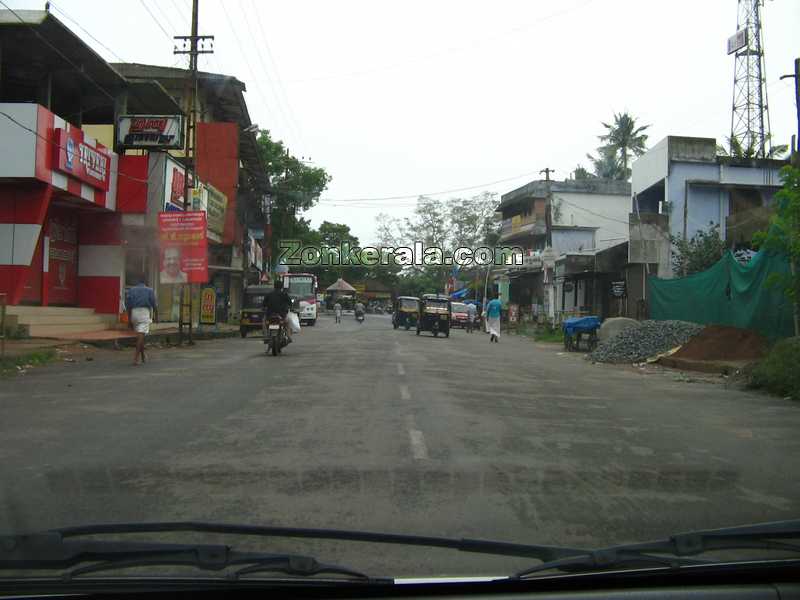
pixel 303 287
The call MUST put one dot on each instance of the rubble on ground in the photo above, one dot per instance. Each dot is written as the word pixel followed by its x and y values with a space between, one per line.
pixel 614 325
pixel 637 344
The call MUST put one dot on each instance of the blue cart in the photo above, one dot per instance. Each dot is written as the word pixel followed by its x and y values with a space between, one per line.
pixel 578 327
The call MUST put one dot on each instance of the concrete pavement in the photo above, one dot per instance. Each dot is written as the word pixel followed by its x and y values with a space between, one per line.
pixel 361 426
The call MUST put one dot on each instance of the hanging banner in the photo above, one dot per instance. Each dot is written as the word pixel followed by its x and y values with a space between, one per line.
pixel 184 247
pixel 208 306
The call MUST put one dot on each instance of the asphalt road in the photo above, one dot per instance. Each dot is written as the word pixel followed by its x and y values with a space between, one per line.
pixel 363 427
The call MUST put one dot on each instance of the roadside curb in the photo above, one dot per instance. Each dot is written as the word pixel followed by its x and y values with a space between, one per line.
pixel 170 338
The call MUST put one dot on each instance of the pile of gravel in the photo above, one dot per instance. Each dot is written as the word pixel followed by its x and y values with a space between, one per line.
pixel 637 344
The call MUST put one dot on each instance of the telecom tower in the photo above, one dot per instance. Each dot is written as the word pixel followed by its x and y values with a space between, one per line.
pixel 750 118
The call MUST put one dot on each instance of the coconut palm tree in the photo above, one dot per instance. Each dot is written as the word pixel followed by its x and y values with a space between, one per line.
pixel 624 140
pixel 606 165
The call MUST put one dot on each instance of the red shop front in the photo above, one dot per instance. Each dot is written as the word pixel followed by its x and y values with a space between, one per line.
pixel 59 229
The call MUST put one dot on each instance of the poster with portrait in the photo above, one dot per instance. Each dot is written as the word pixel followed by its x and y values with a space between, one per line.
pixel 184 247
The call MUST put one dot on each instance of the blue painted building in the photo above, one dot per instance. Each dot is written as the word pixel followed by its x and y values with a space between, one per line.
pixel 685 179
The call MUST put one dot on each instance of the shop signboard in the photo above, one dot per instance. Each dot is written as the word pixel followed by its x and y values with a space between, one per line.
pixel 81 160
pixel 217 202
pixel 174 184
pixel 200 198
pixel 208 306
pixel 618 288
pixel 152 132
pixel 184 247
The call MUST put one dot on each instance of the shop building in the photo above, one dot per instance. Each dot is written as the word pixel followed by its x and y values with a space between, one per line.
pixel 61 247
pixel 229 168
pixel 548 220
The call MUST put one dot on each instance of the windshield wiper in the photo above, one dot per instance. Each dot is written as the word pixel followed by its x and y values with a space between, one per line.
pixel 672 552
pixel 57 549
pixel 51 551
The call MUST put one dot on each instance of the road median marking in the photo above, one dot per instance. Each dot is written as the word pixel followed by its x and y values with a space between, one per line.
pixel 404 393
pixel 401 369
pixel 418 447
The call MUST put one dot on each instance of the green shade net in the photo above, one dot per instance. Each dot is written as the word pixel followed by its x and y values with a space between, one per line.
pixel 728 293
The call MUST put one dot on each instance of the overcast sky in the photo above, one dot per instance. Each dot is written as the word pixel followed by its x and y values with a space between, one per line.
pixel 401 99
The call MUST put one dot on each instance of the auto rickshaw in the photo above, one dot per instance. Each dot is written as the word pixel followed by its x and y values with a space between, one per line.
pixel 434 314
pixel 252 310
pixel 405 312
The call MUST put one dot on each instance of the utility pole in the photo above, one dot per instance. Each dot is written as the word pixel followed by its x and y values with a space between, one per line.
pixel 266 256
pixel 547 171
pixel 191 122
pixel 796 77
pixel 796 162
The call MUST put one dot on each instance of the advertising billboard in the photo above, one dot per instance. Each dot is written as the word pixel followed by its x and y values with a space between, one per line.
pixel 174 184
pixel 184 247
pixel 217 202
pixel 151 132
pixel 82 161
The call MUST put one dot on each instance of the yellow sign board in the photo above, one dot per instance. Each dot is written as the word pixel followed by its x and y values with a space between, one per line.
pixel 360 288
pixel 516 223
pixel 208 306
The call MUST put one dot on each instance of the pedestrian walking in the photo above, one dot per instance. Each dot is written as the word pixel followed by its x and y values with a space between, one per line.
pixel 337 311
pixel 493 318
pixel 472 313
pixel 140 302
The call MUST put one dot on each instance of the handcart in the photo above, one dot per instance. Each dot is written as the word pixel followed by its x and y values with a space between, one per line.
pixel 576 328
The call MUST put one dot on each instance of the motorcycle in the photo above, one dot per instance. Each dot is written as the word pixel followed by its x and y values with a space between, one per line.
pixel 360 317
pixel 275 337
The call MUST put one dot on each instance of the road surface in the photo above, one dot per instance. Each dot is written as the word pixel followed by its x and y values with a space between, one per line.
pixel 365 427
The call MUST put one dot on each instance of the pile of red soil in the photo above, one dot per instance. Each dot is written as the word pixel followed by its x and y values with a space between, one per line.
pixel 719 342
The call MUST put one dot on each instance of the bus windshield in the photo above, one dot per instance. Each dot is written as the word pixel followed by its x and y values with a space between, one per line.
pixel 302 287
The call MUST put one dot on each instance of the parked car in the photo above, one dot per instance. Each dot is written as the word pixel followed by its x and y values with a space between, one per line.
pixel 460 315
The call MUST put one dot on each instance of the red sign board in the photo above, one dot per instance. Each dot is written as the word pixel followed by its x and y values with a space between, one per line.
pixel 184 247
pixel 80 160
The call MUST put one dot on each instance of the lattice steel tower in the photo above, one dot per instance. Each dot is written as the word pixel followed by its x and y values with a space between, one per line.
pixel 750 118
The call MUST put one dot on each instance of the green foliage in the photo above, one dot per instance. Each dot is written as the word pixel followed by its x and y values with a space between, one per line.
pixel 783 236
pixel 581 174
pixel 778 372
pixel 458 222
pixel 605 164
pixel 8 366
pixel 622 141
pixel 295 188
pixel 697 254
pixel 736 149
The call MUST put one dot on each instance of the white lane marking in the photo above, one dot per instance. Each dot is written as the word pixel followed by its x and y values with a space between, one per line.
pixel 404 393
pixel 401 369
pixel 418 447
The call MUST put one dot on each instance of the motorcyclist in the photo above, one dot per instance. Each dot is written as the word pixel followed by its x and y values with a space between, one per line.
pixel 359 309
pixel 278 303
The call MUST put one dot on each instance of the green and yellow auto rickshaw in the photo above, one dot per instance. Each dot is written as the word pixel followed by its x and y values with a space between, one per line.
pixel 434 314
pixel 405 312
pixel 252 311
